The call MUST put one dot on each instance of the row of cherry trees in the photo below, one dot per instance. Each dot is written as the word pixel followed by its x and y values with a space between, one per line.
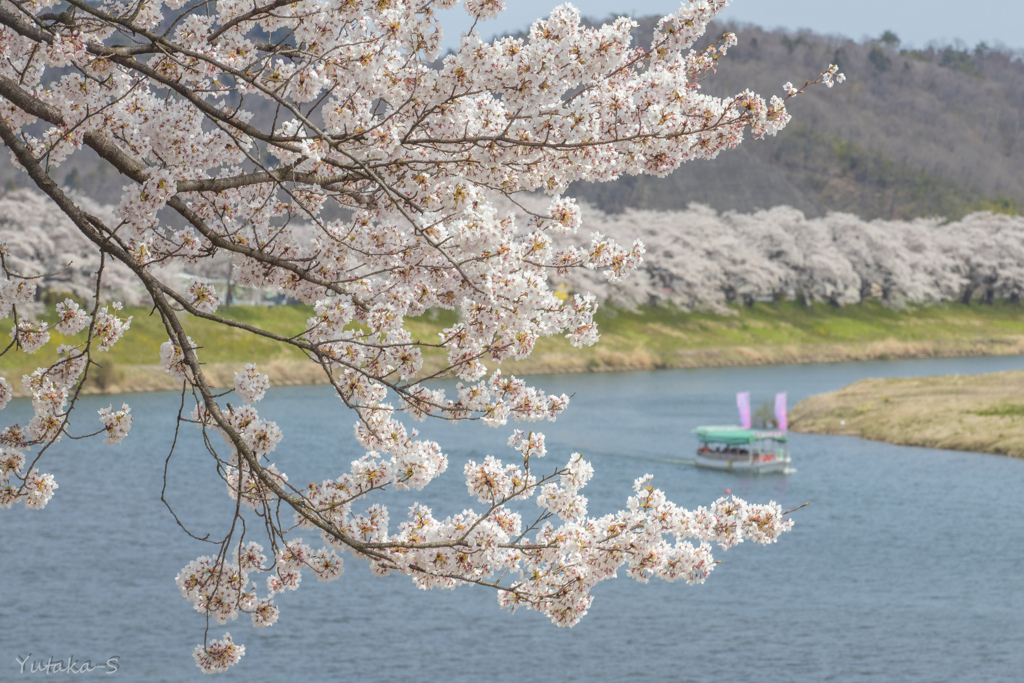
pixel 40 240
pixel 700 259
pixel 696 259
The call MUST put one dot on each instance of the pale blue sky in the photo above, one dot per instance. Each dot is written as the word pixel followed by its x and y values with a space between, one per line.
pixel 916 22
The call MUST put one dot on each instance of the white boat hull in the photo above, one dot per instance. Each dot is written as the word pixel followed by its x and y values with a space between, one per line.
pixel 775 465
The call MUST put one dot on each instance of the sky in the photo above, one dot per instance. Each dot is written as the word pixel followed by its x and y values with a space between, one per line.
pixel 916 22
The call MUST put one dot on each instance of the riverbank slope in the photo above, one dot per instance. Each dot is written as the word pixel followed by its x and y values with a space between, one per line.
pixel 645 339
pixel 982 413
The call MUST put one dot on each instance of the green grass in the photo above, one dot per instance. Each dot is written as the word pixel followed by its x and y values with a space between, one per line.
pixel 792 323
pixel 217 344
pixel 659 332
pixel 1005 410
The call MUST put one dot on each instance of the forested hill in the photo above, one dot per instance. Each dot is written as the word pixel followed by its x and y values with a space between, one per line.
pixel 911 133
pixel 933 132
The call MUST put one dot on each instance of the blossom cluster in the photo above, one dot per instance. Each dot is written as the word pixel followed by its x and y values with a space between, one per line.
pixel 203 296
pixel 558 566
pixel 375 197
pixel 250 384
pixel 71 318
pixel 218 655
pixel 108 328
pixel 30 336
pixel 51 388
pixel 173 359
pixel 14 292
pixel 223 590
pixel 117 423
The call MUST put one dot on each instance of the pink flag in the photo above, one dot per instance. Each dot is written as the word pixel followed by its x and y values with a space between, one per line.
pixel 780 411
pixel 743 403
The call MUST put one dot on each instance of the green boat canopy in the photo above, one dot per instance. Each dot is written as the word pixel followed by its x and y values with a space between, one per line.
pixel 736 436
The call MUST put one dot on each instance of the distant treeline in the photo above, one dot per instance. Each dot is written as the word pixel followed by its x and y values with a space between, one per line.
pixel 700 259
pixel 697 259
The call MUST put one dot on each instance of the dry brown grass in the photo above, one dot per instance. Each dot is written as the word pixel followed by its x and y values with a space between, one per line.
pixel 982 413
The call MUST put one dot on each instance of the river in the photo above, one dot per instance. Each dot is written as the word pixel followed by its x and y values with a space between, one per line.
pixel 906 565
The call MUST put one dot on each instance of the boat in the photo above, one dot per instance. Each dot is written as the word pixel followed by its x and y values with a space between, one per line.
pixel 741 449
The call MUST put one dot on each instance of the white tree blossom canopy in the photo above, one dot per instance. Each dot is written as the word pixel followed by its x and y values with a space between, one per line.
pixel 42 242
pixel 322 146
pixel 696 259
pixel 699 259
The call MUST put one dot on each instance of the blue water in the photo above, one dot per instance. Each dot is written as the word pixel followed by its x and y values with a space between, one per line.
pixel 906 565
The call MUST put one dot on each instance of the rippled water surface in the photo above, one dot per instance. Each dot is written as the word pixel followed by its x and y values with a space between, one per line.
pixel 907 565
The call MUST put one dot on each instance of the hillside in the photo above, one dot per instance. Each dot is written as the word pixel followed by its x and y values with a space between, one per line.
pixel 912 133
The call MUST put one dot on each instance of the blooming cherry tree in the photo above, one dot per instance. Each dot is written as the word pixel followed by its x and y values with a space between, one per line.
pixel 321 145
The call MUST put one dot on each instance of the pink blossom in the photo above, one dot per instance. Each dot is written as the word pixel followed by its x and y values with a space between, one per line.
pixel 173 360
pixel 265 613
pixel 203 296
pixel 108 328
pixel 39 490
pixel 6 394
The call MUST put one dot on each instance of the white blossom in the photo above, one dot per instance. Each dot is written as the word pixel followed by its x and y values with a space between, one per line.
pixel 392 183
pixel 250 384
pixel 116 423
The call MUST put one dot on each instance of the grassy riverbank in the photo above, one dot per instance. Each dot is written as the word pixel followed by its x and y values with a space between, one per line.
pixel 983 413
pixel 649 338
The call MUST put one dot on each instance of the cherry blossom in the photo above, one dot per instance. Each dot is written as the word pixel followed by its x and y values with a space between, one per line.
pixel 265 613
pixel 14 292
pixel 108 328
pixel 379 193
pixel 5 393
pixel 72 319
pixel 116 423
pixel 203 296
pixel 173 359
pixel 39 490
pixel 30 336
pixel 250 384
pixel 218 655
